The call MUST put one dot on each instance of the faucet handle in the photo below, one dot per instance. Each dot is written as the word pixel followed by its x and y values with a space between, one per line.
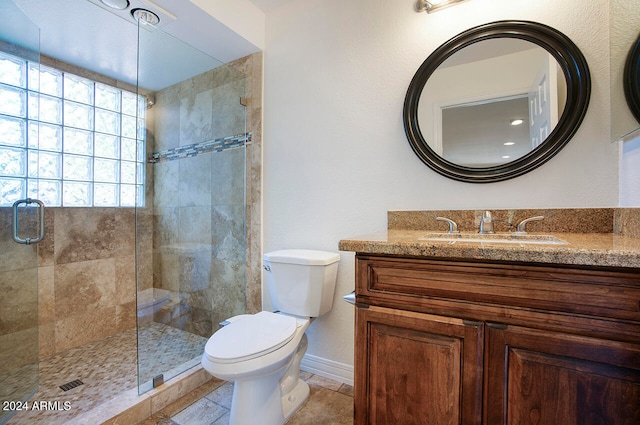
pixel 521 226
pixel 486 223
pixel 453 227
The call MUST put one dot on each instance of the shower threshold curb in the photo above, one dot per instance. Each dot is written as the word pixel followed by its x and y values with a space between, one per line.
pixel 130 407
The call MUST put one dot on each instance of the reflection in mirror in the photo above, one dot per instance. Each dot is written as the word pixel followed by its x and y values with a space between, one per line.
pixel 624 24
pixel 469 103
pixel 482 135
pixel 484 68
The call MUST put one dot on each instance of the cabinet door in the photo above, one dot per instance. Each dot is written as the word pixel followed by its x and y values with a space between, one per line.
pixel 415 368
pixel 547 378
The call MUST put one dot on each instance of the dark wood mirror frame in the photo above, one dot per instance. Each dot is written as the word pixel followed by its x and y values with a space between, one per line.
pixel 631 79
pixel 570 60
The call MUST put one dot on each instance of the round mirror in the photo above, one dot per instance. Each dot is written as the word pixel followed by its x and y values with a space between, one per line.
pixel 496 101
pixel 631 79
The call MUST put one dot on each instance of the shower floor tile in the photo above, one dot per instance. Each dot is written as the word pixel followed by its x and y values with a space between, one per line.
pixel 162 348
pixel 106 368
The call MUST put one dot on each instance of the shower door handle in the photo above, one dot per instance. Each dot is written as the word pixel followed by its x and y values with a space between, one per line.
pixel 16 222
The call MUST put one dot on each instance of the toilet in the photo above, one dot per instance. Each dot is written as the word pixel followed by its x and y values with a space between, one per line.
pixel 261 353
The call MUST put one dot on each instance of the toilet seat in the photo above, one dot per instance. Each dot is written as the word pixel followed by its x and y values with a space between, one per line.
pixel 250 337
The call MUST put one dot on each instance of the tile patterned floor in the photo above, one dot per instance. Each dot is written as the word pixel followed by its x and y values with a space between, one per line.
pixel 107 368
pixel 163 348
pixel 330 403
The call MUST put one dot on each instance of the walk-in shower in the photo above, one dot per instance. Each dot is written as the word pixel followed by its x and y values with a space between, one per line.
pixel 144 189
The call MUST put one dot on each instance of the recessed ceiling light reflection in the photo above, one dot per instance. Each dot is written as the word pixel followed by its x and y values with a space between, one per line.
pixel 509 143
pixel 116 4
pixel 517 121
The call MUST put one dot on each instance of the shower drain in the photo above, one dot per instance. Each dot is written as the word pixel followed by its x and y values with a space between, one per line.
pixel 70 385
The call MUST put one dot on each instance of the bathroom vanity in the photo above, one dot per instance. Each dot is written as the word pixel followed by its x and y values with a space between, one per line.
pixel 497 333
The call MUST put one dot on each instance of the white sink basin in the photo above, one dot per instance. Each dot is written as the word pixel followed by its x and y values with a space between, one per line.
pixel 501 238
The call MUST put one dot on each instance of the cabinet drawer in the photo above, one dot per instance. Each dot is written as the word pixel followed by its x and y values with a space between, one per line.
pixel 602 293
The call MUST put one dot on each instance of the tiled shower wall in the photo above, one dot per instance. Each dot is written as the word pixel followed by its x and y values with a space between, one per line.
pixel 86 264
pixel 86 277
pixel 199 200
pixel 251 66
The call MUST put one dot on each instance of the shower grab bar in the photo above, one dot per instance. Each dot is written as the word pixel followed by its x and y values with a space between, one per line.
pixel 16 225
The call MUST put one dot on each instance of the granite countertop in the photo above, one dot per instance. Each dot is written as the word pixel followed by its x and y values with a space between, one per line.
pixel 589 249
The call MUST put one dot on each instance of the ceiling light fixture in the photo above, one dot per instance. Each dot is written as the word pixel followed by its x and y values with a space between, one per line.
pixel 434 5
pixel 145 16
pixel 116 4
pixel 517 121
pixel 509 143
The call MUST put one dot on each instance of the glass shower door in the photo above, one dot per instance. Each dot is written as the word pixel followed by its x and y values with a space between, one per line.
pixel 21 218
pixel 191 242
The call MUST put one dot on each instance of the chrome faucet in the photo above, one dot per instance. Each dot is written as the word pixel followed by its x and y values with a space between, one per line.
pixel 521 226
pixel 486 223
pixel 453 227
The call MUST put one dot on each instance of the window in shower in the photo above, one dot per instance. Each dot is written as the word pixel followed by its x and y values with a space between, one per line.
pixel 67 140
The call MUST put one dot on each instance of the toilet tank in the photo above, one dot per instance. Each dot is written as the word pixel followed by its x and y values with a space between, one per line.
pixel 301 281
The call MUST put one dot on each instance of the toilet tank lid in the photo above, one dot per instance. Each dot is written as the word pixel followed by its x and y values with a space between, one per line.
pixel 302 256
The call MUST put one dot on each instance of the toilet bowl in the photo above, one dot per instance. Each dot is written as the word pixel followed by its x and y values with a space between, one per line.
pixel 261 352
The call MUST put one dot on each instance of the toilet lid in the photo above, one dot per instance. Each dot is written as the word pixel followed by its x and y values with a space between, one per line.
pixel 250 337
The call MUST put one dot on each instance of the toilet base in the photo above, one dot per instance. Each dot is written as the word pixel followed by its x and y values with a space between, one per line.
pixel 296 398
pixel 255 402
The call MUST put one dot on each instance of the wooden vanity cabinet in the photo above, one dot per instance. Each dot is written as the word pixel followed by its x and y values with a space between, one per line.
pixel 413 366
pixel 472 342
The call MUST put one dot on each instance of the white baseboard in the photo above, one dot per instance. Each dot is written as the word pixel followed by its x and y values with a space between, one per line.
pixel 340 372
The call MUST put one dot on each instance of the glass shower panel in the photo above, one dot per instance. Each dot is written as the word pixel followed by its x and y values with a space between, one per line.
pixel 19 350
pixel 191 242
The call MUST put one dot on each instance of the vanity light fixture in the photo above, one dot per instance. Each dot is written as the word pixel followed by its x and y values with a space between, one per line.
pixel 116 4
pixel 517 121
pixel 434 5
